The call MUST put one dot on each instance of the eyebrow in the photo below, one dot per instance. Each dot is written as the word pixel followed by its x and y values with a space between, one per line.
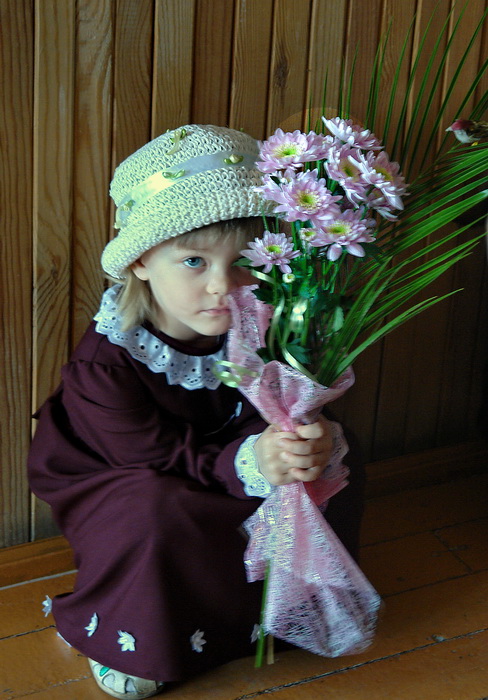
pixel 191 248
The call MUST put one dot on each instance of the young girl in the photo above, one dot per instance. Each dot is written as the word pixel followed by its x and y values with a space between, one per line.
pixel 149 463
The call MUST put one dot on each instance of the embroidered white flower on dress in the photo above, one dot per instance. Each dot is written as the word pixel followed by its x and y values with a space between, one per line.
pixel 47 606
pixel 256 633
pixel 197 641
pixel 92 627
pixel 127 641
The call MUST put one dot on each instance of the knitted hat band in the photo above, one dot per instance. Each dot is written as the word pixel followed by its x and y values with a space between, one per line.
pixel 181 181
pixel 165 178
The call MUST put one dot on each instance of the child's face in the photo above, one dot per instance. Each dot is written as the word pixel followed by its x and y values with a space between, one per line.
pixel 189 285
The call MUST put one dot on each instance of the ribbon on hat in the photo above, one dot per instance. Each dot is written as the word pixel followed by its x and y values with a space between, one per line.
pixel 161 180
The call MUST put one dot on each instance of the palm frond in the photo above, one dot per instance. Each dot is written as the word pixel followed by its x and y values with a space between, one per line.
pixel 369 298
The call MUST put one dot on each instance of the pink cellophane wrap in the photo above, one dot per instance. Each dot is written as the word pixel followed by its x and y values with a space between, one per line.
pixel 317 597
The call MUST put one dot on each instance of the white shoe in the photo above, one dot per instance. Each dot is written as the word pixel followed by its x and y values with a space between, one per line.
pixel 122 685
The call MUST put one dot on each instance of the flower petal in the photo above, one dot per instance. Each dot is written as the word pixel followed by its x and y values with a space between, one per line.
pixel 126 641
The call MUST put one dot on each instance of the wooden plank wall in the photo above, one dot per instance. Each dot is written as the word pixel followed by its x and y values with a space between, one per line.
pixel 86 82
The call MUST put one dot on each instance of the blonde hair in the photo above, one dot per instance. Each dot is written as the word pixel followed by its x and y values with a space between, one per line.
pixel 135 303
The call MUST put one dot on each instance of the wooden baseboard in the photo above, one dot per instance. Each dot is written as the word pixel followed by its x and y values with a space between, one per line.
pixel 426 468
pixel 25 562
pixel 52 556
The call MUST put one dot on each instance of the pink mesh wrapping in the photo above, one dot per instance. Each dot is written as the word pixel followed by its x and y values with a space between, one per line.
pixel 317 598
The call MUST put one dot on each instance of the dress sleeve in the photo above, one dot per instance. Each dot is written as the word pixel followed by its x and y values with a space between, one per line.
pixel 112 411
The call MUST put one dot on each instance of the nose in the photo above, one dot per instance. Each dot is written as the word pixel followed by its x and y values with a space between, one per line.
pixel 220 282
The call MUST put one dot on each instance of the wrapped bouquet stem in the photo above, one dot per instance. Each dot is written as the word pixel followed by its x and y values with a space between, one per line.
pixel 316 596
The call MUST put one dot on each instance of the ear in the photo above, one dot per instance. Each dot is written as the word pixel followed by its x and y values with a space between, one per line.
pixel 140 270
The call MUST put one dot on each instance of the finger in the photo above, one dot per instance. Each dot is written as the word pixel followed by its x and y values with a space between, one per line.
pixel 303 461
pixel 306 475
pixel 297 447
pixel 282 435
pixel 312 430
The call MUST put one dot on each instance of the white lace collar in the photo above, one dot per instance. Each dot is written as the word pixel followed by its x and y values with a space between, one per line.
pixel 189 371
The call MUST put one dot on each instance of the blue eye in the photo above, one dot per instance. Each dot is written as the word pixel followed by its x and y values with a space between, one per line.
pixel 193 262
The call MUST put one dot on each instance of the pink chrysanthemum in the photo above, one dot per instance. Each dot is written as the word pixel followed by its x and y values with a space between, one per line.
pixel 340 168
pixel 352 135
pixel 346 231
pixel 306 198
pixel 378 172
pixel 271 249
pixel 283 151
pixel 307 234
pixel 271 187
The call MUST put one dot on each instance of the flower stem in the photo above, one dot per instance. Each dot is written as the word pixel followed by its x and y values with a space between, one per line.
pixel 262 636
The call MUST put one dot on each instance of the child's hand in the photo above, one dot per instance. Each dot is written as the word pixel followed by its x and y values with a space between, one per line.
pixel 301 456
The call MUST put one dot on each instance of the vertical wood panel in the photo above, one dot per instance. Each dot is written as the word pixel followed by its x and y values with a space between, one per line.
pixel 52 201
pixel 327 31
pixel 52 206
pixel 462 370
pixel 427 375
pixel 173 64
pixel 409 400
pixel 250 71
pixel 384 373
pixel 289 60
pixel 357 408
pixel 132 77
pixel 397 21
pixel 468 24
pixel 212 60
pixel 363 32
pixel 16 68
pixel 92 156
pixel 477 389
pixel 395 360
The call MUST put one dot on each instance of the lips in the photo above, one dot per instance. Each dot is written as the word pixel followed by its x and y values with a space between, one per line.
pixel 218 311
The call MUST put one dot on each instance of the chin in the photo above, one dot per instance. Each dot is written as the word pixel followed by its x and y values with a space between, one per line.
pixel 217 329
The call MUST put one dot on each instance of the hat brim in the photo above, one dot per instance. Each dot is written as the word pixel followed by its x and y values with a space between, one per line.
pixel 185 206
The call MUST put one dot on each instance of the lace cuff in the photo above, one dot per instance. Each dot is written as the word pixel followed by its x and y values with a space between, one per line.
pixel 248 472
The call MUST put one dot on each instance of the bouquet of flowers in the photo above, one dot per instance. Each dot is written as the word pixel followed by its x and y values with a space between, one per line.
pixel 341 265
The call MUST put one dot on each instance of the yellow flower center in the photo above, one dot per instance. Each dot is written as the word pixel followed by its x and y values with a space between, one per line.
pixel 273 248
pixel 349 169
pixel 307 200
pixel 339 228
pixel 385 174
pixel 287 149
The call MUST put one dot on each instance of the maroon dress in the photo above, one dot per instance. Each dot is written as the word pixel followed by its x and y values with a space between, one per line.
pixel 140 476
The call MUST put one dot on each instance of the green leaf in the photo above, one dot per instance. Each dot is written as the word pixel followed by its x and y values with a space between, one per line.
pixel 337 319
pixel 264 294
pixel 298 352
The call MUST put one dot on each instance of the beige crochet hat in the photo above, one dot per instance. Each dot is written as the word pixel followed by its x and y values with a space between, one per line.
pixel 185 179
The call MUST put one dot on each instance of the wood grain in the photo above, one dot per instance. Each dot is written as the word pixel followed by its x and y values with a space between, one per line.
pixel 16 121
pixel 92 156
pixel 212 52
pixel 51 206
pixel 327 33
pixel 250 67
pixel 133 71
pixel 289 60
pixel 174 26
pixel 52 197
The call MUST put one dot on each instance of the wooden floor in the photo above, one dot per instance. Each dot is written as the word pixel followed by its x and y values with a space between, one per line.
pixel 425 550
